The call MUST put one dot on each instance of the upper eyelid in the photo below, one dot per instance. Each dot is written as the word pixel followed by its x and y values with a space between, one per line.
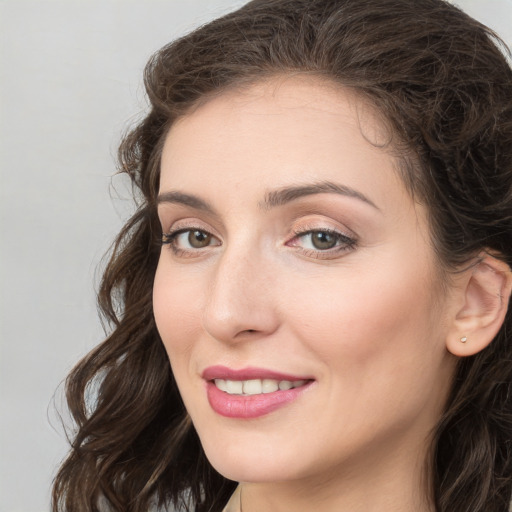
pixel 323 225
pixel 184 229
pixel 311 229
pixel 186 224
pixel 171 210
pixel 348 239
pixel 298 226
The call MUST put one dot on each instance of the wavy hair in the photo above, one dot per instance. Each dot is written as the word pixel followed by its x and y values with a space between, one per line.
pixel 443 83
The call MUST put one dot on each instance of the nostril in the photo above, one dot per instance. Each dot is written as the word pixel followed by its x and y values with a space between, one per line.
pixel 247 334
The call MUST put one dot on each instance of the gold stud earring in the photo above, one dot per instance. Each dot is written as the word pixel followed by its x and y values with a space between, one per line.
pixel 464 339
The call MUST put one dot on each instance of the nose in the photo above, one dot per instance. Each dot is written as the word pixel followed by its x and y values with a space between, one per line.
pixel 241 298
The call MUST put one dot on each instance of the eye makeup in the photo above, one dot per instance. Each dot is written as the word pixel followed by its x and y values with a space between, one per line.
pixel 322 243
pixel 184 242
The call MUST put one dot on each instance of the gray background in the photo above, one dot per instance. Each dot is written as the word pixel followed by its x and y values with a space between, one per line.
pixel 70 83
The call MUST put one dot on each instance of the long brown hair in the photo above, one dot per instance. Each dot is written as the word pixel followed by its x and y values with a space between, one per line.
pixel 445 88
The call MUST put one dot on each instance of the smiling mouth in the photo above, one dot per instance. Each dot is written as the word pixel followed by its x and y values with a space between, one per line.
pixel 256 386
pixel 251 392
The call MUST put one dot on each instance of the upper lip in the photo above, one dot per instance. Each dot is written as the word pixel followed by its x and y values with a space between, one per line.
pixel 248 373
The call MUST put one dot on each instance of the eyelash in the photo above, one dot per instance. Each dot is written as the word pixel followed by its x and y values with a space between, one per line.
pixel 343 242
pixel 170 240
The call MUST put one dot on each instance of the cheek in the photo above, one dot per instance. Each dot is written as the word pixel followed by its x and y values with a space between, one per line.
pixel 372 324
pixel 374 345
pixel 176 306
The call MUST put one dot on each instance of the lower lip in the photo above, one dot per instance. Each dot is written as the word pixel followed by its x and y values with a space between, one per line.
pixel 250 406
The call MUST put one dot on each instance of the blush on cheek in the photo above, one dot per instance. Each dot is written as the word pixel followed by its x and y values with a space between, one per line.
pixel 362 321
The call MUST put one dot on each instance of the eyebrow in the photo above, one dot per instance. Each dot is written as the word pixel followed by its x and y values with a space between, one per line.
pixel 272 199
pixel 175 197
pixel 284 195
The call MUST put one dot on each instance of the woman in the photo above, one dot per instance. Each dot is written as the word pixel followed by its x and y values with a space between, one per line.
pixel 312 298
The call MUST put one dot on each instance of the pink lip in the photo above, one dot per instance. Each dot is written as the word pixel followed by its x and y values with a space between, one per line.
pixel 252 406
pixel 223 372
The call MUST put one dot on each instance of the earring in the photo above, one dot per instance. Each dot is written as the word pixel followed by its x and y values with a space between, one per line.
pixel 464 339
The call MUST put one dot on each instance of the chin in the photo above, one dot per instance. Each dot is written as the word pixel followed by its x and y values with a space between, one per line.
pixel 256 461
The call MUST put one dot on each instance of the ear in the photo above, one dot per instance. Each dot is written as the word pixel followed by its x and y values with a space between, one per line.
pixel 484 293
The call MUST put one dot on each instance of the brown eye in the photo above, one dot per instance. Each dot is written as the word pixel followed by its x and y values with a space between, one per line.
pixel 323 243
pixel 189 240
pixel 323 240
pixel 199 239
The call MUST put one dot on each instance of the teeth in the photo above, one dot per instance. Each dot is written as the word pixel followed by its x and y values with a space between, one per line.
pixel 252 387
pixel 269 385
pixel 256 386
pixel 234 387
pixel 221 384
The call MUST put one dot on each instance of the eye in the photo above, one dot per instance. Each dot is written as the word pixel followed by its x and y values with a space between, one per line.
pixel 321 240
pixel 196 239
pixel 189 240
pixel 322 243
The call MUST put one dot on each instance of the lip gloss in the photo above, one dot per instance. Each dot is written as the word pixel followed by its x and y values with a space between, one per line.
pixel 249 406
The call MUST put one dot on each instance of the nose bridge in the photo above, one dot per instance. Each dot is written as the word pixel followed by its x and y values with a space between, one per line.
pixel 241 296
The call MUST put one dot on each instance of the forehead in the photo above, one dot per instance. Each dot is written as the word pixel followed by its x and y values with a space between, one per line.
pixel 282 132
pixel 302 95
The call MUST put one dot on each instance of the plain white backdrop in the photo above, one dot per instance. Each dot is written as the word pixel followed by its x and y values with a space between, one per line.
pixel 70 83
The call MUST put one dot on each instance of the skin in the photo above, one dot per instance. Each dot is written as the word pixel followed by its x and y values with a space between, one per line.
pixel 367 319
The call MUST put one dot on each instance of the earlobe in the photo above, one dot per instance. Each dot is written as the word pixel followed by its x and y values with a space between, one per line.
pixel 486 289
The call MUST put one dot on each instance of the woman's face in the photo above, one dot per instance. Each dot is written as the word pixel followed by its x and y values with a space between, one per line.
pixel 296 293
